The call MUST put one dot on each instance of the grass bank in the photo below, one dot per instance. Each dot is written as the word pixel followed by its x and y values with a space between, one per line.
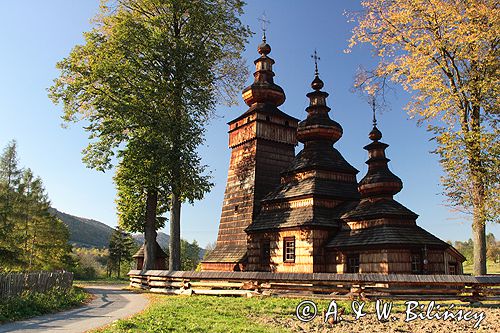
pixel 269 314
pixel 31 304
pixel 103 281
pixel 491 267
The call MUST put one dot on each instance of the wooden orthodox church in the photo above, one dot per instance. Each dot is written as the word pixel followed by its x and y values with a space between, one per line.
pixel 307 213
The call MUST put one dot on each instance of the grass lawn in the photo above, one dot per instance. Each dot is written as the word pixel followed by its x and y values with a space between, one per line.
pixel 209 314
pixel 34 304
pixel 491 267
pixel 272 314
pixel 124 280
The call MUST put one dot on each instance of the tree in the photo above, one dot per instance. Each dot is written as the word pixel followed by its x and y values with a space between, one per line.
pixel 147 80
pixel 30 238
pixel 446 52
pixel 121 248
pixel 190 255
pixel 10 177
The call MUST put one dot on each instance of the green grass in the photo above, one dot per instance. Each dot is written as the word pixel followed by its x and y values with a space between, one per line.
pixel 210 314
pixel 491 267
pixel 105 280
pixel 232 314
pixel 31 304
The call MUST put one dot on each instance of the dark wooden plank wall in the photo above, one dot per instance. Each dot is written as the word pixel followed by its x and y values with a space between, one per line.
pixel 13 284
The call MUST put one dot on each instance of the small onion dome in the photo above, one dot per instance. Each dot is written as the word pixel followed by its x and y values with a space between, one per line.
pixel 264 48
pixel 379 181
pixel 317 83
pixel 375 134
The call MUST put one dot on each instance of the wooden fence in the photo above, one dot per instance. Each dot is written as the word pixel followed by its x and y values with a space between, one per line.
pixel 321 285
pixel 13 284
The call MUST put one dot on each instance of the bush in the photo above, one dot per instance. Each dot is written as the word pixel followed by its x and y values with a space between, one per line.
pixel 31 304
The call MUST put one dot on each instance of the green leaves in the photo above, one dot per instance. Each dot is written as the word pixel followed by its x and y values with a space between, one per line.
pixel 147 80
pixel 30 237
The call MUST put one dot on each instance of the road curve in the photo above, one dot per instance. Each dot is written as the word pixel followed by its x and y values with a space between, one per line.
pixel 110 303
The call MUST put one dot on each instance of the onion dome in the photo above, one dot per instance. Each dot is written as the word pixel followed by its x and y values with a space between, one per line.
pixel 263 89
pixel 379 180
pixel 318 125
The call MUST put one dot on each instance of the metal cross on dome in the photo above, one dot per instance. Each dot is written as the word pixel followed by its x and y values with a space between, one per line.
pixel 264 24
pixel 316 58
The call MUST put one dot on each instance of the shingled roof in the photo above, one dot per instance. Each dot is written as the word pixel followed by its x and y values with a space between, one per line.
pixel 385 235
pixel 267 109
pixel 322 156
pixel 314 186
pixel 227 253
pixel 303 217
pixel 380 208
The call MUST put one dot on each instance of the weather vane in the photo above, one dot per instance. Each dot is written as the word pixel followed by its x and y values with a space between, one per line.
pixel 264 24
pixel 316 58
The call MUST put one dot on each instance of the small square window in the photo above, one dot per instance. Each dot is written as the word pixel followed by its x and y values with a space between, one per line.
pixel 289 249
pixel 353 263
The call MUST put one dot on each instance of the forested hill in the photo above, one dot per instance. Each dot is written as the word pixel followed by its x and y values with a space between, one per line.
pixel 85 232
pixel 91 233
pixel 161 238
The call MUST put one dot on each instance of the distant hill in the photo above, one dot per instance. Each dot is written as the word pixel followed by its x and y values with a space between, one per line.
pixel 91 233
pixel 85 232
pixel 162 239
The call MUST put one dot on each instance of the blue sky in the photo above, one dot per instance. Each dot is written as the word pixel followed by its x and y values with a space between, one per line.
pixel 34 35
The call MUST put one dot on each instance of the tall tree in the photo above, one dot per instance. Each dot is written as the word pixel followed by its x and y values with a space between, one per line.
pixel 147 79
pixel 121 247
pixel 446 53
pixel 30 237
pixel 10 178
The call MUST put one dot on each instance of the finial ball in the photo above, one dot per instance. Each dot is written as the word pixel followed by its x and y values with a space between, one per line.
pixel 317 83
pixel 264 48
pixel 375 134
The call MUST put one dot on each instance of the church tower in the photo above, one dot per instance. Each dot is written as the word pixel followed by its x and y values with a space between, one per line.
pixel 262 141
pixel 300 216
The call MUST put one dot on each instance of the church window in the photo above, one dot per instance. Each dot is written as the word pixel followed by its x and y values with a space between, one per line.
pixel 353 263
pixel 266 252
pixel 289 249
pixel 452 268
pixel 416 263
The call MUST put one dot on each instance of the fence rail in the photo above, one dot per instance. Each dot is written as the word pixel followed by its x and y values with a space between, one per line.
pixel 321 285
pixel 13 284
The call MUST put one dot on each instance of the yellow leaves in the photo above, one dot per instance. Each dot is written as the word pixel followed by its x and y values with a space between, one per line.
pixel 446 53
pixel 440 44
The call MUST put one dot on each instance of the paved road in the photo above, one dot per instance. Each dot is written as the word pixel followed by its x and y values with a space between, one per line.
pixel 111 303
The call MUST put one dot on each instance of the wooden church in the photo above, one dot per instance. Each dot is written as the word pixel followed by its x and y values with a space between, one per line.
pixel 307 213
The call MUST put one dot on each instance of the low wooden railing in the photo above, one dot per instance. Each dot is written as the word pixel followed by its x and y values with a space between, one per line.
pixel 321 285
pixel 13 284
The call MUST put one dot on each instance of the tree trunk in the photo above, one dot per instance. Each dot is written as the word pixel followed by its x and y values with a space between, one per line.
pixel 478 228
pixel 174 261
pixel 150 231
pixel 119 262
pixel 478 194
pixel 479 239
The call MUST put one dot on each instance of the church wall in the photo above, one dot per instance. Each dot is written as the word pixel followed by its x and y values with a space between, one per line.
pixel 309 251
pixel 393 261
